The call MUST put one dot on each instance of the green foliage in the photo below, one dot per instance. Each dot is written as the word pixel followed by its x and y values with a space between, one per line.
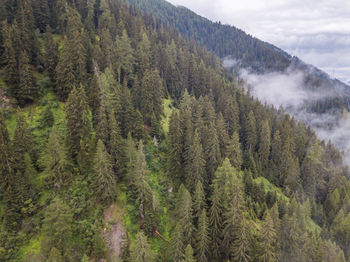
pixel 102 178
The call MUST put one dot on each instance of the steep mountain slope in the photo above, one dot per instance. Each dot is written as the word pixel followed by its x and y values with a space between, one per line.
pixel 245 51
pixel 117 129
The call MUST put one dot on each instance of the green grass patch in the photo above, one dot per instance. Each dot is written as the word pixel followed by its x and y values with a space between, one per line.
pixel 32 248
pixel 271 188
pixel 168 110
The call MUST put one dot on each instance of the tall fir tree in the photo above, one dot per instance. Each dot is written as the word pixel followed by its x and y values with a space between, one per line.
pixel 103 180
pixel 195 164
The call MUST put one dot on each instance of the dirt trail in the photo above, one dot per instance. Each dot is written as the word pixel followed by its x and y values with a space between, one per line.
pixel 114 232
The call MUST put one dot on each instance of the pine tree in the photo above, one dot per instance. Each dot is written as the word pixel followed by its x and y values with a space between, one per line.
pixel 188 255
pixel 141 250
pixel 57 227
pixel 222 134
pixel 177 243
pixel 5 154
pixel 264 144
pixel 231 114
pixel 55 256
pixel 21 144
pixel 13 201
pixel 242 244
pixel 175 147
pixel 55 161
pixel 78 124
pixel 184 214
pixel 198 201
pixel 51 55
pixel 71 68
pixel 251 132
pixel 41 14
pixel 139 179
pixel 27 87
pixel 268 242
pixel 124 56
pixel 144 55
pixel 234 151
pixel 211 148
pixel 103 179
pixel 151 94
pixel 202 238
pixel 195 163
pixel 215 221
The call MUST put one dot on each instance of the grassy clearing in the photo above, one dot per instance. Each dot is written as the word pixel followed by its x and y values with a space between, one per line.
pixel 167 109
pixel 271 188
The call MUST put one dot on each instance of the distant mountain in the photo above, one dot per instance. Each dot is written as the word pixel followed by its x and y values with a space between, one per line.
pixel 246 51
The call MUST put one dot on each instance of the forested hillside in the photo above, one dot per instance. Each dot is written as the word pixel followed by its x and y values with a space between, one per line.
pixel 247 52
pixel 122 140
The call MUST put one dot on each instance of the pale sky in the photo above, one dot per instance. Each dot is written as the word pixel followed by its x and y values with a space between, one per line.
pixel 317 31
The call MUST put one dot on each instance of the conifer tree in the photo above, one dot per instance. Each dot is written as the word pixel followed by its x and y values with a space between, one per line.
pixel 188 255
pixel 139 179
pixel 78 124
pixel 151 94
pixel 175 147
pixel 55 161
pixel 215 221
pixel 184 214
pixel 268 241
pixel 234 151
pixel 144 55
pixel 55 256
pixel 231 114
pixel 57 225
pixel 202 238
pixel 13 201
pixel 211 148
pixel 251 132
pixel 27 88
pixel 222 133
pixel 242 243
pixel 5 154
pixel 103 179
pixel 195 164
pixel 177 243
pixel 71 68
pixel 264 144
pixel 141 250
pixel 21 144
pixel 198 201
pixel 51 55
pixel 124 56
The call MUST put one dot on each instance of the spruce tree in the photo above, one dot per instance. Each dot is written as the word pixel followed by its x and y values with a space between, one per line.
pixel 234 151
pixel 103 181
pixel 55 161
pixel 5 154
pixel 51 55
pixel 202 238
pixel 27 87
pixel 195 163
pixel 78 124
pixel 141 250
pixel 268 240
pixel 188 255
pixel 251 132
pixel 175 147
pixel 198 201
pixel 264 144
pixel 184 215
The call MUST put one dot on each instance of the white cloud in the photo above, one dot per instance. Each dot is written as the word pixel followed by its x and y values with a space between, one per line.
pixel 318 31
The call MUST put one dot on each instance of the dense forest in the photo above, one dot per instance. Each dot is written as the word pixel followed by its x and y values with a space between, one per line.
pixel 116 129
pixel 248 52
